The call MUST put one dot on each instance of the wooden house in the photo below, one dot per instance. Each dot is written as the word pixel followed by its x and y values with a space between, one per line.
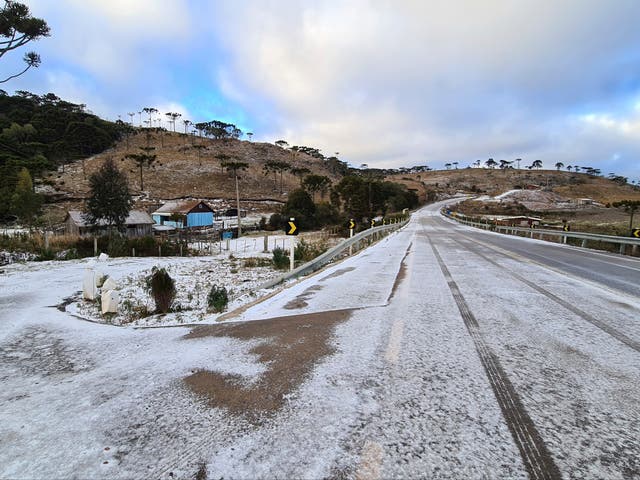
pixel 184 214
pixel 137 224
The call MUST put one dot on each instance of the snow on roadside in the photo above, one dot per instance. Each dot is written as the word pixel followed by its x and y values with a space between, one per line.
pixel 241 269
pixel 193 278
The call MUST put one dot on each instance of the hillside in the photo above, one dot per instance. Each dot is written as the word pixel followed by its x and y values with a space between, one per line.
pixel 184 167
pixel 550 194
pixel 569 185
pixel 188 166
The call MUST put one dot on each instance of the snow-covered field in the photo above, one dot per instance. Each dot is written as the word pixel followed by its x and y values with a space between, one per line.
pixel 241 266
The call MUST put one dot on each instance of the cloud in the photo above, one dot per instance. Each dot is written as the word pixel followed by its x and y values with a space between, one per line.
pixel 394 82
pixel 387 83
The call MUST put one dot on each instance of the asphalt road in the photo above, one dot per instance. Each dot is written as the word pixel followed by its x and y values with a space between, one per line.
pixel 610 270
pixel 440 352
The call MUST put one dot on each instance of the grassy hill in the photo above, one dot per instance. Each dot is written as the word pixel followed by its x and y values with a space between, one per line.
pixel 570 185
pixel 185 167
pixel 188 166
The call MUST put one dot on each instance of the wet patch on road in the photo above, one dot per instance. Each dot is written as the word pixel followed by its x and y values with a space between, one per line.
pixel 292 347
pixel 337 273
pixel 301 300
pixel 401 273
pixel 37 351
pixel 62 306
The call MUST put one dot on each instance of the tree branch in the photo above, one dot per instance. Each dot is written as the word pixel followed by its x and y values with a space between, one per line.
pixel 16 75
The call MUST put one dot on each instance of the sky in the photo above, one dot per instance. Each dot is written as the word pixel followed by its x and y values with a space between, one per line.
pixel 389 83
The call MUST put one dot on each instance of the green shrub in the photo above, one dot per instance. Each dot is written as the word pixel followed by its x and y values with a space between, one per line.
pixel 276 221
pixel 162 288
pixel 118 246
pixel 217 299
pixel 306 252
pixel 280 258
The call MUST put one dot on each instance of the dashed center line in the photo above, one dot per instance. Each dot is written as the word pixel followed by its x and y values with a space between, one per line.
pixel 370 461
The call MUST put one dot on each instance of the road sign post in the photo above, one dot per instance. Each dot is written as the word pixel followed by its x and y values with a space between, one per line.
pixel 352 225
pixel 292 253
pixel 293 230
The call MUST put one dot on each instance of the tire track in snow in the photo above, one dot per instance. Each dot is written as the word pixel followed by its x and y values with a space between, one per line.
pixel 535 455
pixel 621 337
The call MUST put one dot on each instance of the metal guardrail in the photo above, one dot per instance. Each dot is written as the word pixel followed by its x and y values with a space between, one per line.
pixel 540 232
pixel 321 260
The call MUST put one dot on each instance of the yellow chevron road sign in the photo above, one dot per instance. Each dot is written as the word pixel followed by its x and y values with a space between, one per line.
pixel 293 228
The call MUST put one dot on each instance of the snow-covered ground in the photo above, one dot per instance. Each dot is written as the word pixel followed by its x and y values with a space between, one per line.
pixel 239 265
pixel 399 393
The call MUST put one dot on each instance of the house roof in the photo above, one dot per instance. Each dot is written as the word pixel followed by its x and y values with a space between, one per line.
pixel 180 206
pixel 136 217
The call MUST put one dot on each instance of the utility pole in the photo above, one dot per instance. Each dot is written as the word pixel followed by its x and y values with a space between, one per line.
pixel 238 207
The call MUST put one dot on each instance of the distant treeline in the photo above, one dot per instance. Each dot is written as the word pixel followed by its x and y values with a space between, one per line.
pixel 43 132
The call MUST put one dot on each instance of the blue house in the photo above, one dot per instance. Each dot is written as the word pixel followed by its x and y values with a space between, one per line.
pixel 184 214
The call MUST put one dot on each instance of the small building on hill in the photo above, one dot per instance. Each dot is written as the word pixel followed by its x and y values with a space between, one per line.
pixel 138 224
pixel 184 214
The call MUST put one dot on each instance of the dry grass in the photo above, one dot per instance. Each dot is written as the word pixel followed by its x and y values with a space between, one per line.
pixel 181 170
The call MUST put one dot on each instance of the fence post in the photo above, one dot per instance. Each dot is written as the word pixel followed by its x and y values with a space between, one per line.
pixel 180 249
pixel 266 243
pixel 95 247
pixel 159 250
pixel 133 252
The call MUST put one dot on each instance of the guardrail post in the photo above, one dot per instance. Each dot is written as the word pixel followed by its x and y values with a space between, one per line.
pixel 622 248
pixel 584 243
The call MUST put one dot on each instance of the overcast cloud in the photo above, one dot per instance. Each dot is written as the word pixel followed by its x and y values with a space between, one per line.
pixel 386 83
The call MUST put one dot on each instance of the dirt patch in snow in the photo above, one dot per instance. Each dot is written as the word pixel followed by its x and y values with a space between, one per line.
pixel 292 346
